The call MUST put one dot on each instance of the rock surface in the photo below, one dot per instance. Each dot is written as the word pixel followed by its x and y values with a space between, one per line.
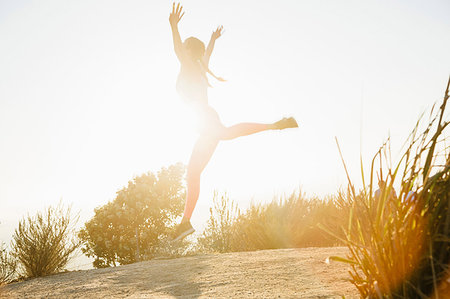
pixel 282 273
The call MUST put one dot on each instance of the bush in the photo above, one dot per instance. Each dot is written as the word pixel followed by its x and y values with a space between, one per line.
pixel 133 225
pixel 282 223
pixel 220 231
pixel 400 245
pixel 287 223
pixel 7 265
pixel 45 243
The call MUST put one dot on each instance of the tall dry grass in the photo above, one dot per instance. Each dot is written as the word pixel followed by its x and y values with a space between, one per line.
pixel 400 243
pixel 283 223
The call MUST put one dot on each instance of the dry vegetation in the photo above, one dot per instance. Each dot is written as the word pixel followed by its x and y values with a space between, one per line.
pixel 400 243
pixel 43 244
pixel 7 265
pixel 282 223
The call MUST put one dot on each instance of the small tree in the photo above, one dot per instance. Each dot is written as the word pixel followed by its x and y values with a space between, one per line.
pixel 132 225
pixel 7 265
pixel 45 243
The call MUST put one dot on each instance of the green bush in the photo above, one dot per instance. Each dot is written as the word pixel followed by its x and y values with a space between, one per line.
pixel 133 225
pixel 44 244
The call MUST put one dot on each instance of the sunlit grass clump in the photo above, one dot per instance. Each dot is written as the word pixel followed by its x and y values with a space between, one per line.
pixel 283 223
pixel 399 242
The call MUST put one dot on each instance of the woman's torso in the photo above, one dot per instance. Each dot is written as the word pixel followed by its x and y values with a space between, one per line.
pixel 192 83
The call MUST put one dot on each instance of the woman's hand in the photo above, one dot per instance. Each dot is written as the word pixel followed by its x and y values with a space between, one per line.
pixel 217 33
pixel 176 14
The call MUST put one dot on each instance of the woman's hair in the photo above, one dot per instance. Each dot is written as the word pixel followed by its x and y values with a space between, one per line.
pixel 196 50
pixel 195 46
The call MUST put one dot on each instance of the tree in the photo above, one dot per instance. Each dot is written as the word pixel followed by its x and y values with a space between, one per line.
pixel 132 225
pixel 44 244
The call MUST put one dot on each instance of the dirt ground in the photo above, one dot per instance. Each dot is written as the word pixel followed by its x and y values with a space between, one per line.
pixel 283 273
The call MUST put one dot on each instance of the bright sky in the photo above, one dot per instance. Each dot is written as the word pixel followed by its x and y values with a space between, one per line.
pixel 87 94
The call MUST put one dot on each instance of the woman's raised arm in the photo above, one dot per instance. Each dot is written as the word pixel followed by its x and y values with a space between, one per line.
pixel 215 35
pixel 175 17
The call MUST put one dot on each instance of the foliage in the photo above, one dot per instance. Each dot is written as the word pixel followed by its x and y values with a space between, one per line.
pixel 131 227
pixel 7 265
pixel 44 244
pixel 400 245
pixel 433 273
pixel 219 234
pixel 282 223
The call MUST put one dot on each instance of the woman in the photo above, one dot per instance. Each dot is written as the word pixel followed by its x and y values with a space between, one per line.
pixel 192 85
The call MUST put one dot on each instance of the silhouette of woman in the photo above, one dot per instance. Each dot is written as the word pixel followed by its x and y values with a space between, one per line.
pixel 192 85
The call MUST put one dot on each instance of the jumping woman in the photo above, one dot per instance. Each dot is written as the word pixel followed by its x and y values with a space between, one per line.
pixel 192 85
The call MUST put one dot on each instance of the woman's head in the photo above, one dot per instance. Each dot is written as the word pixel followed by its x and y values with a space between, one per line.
pixel 194 47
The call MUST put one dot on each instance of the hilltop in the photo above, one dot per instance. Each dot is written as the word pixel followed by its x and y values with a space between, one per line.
pixel 281 273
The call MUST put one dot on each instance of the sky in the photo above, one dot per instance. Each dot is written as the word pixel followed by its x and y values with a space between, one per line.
pixel 88 100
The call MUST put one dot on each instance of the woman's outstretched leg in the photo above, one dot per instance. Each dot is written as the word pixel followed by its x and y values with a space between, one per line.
pixel 244 129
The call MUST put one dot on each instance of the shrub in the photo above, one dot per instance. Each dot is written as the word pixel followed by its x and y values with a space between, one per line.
pixel 132 226
pixel 219 234
pixel 7 265
pixel 282 223
pixel 44 244
pixel 286 223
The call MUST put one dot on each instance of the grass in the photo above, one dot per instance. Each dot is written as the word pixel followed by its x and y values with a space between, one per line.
pixel 400 243
pixel 283 223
